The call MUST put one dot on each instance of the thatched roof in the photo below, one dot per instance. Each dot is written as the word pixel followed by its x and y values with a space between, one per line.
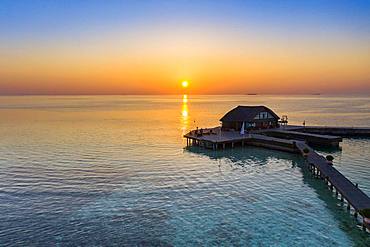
pixel 246 113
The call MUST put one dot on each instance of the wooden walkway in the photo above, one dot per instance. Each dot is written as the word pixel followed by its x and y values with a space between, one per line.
pixel 329 130
pixel 314 139
pixel 215 138
pixel 338 131
pixel 219 139
pixel 353 195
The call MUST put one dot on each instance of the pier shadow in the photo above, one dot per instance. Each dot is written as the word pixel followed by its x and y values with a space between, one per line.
pixel 330 150
pixel 333 150
pixel 244 157
pixel 238 155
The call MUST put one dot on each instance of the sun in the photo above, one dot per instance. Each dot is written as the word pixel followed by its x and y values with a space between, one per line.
pixel 185 84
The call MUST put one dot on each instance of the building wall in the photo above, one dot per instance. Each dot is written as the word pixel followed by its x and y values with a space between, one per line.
pixel 231 125
pixel 258 124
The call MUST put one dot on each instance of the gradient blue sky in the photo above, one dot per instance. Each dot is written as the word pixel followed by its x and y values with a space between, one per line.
pixel 39 18
pixel 30 28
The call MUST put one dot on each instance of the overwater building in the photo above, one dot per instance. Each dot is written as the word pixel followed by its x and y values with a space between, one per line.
pixel 250 117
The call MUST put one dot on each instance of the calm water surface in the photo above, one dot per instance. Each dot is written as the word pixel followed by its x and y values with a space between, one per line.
pixel 113 170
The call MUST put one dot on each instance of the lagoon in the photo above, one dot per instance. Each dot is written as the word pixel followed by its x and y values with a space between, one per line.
pixel 114 170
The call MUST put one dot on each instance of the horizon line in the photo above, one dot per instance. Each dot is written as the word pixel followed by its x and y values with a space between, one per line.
pixel 148 94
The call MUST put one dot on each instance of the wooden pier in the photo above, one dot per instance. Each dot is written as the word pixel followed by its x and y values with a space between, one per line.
pixel 274 138
pixel 215 138
pixel 312 139
pixel 348 191
pixel 329 130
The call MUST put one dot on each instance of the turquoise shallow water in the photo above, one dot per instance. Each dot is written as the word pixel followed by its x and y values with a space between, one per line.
pixel 114 170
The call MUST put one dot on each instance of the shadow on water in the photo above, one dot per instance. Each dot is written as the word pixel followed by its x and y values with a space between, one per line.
pixel 336 150
pixel 330 150
pixel 237 156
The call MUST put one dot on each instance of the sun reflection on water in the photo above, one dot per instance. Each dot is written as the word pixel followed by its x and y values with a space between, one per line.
pixel 184 114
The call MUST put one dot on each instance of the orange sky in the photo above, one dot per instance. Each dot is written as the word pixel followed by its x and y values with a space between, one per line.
pixel 215 60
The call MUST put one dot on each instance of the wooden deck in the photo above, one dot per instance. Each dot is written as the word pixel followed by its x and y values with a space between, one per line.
pixel 330 130
pixel 220 139
pixel 217 136
pixel 214 136
pixel 348 191
pixel 312 139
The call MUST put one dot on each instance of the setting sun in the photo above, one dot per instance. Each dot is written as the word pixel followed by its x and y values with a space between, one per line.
pixel 185 84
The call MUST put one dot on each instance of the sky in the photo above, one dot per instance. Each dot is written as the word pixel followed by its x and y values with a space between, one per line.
pixel 150 47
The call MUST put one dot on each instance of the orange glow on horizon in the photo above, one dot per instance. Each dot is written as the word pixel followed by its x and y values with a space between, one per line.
pixel 220 64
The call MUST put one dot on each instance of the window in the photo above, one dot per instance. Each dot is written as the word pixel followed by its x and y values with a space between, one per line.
pixel 263 115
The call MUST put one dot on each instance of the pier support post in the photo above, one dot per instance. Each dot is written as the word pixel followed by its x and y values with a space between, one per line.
pixel 341 198
pixel 223 145
pixel 348 205
pixel 232 145
pixel 355 214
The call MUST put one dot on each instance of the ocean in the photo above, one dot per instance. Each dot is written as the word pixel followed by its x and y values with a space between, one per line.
pixel 115 171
